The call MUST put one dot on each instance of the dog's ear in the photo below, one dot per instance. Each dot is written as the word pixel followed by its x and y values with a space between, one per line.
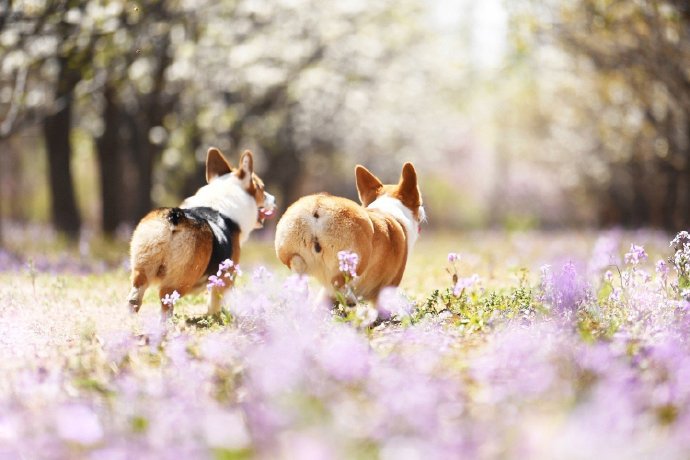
pixel 407 187
pixel 368 185
pixel 216 164
pixel 246 169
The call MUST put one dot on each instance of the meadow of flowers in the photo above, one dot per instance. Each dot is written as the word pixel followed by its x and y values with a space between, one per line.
pixel 519 347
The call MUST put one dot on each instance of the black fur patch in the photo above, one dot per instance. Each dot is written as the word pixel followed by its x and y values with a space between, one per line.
pixel 175 215
pixel 224 229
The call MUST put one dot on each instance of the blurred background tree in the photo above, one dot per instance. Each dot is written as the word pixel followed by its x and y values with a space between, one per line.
pixel 519 114
pixel 621 106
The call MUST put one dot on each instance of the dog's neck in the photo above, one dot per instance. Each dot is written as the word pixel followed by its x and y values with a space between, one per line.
pixel 226 195
pixel 402 214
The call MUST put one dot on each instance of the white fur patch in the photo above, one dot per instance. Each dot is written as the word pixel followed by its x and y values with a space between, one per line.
pixel 402 214
pixel 227 195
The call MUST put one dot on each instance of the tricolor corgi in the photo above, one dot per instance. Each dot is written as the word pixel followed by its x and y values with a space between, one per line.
pixel 382 231
pixel 178 248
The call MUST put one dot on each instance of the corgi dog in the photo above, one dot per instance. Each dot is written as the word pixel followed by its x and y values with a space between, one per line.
pixel 382 232
pixel 178 248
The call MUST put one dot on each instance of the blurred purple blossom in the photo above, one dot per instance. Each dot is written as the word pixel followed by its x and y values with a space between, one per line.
pixel 365 314
pixel 564 289
pixel 226 269
pixel 608 276
pixel 605 252
pixel 78 423
pixel 347 262
pixel 286 378
pixel 636 255
pixel 171 299
pixel 392 303
pixel 464 284
pixel 345 354
pixel 661 268
pixel 215 281
pixel 225 265
pixel 261 274
pixel 226 429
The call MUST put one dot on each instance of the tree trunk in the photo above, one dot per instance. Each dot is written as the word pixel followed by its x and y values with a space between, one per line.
pixel 639 208
pixel 110 165
pixel 56 131
pixel 670 198
pixel 284 161
pixel 143 162
pixel 154 109
pixel 2 181
pixel 197 178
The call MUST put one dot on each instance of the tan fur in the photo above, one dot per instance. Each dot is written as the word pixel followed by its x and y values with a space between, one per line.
pixel 175 257
pixel 316 227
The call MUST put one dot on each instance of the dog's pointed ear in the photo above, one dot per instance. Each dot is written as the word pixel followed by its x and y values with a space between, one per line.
pixel 407 187
pixel 216 164
pixel 368 185
pixel 246 168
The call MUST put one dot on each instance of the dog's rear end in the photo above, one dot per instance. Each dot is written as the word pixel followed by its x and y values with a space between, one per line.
pixel 315 228
pixel 168 250
pixel 381 232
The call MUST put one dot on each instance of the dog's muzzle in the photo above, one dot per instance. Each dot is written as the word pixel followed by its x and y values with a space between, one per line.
pixel 267 210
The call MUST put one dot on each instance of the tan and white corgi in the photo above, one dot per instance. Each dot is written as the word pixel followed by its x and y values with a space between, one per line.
pixel 382 231
pixel 178 248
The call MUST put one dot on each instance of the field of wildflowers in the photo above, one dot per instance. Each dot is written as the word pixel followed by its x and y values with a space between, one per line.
pixel 496 346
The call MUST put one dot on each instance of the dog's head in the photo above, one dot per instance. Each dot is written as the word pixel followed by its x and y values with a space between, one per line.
pixel 217 165
pixel 370 188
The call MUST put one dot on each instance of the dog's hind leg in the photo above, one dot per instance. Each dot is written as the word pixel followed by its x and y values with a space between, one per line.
pixel 215 297
pixel 139 285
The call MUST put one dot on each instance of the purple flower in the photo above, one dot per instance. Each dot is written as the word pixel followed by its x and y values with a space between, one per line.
pixel 234 272
pixel 225 265
pixel 171 299
pixel 681 239
pixel 636 255
pixel 465 283
pixel 453 256
pixel 392 303
pixel 78 423
pixel 261 274
pixel 365 314
pixel 604 253
pixel 225 429
pixel 215 281
pixel 608 276
pixel 564 289
pixel 348 262
pixel 662 268
pixel 344 354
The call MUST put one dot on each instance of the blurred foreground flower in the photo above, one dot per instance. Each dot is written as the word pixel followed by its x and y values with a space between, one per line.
pixel 391 303
pixel 78 423
pixel 563 289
